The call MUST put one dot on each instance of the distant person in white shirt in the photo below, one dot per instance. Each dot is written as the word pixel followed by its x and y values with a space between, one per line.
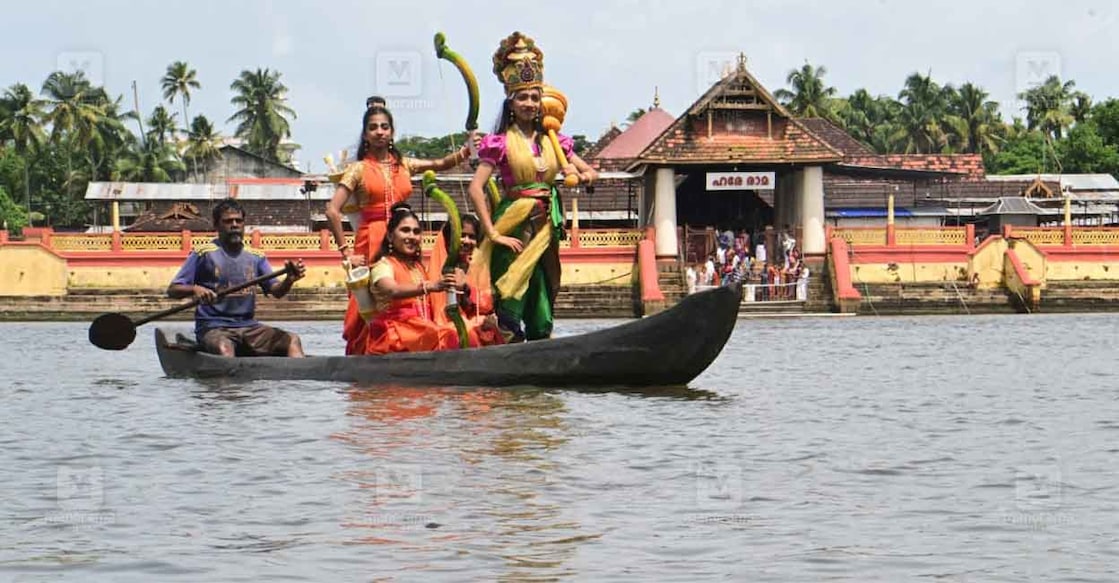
pixel 691 277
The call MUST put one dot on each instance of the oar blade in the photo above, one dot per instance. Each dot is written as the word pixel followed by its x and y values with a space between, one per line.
pixel 112 331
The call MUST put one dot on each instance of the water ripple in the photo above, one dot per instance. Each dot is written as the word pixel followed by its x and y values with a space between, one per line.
pixel 859 449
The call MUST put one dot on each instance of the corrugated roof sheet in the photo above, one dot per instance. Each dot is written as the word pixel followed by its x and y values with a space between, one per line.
pixel 1013 206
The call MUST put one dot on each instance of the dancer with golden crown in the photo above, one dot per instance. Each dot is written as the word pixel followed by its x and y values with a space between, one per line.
pixel 521 249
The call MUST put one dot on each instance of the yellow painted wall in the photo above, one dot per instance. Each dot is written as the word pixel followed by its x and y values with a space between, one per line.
pixel 872 273
pixel 988 264
pixel 29 270
pixel 1069 270
pixel 157 278
pixel 620 274
pixel 1031 257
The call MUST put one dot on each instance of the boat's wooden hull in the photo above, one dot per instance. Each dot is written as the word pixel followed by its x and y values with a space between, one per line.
pixel 667 349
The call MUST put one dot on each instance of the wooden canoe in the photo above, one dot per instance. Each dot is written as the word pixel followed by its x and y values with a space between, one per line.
pixel 667 349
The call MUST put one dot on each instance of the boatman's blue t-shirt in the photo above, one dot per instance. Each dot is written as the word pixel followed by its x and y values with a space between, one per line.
pixel 211 267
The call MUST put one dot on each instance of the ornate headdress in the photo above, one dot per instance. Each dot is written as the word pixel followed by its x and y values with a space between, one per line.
pixel 519 64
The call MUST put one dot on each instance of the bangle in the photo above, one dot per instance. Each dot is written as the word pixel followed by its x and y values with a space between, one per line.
pixel 493 236
pixel 423 287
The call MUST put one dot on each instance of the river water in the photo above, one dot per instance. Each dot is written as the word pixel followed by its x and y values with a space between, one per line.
pixel 867 449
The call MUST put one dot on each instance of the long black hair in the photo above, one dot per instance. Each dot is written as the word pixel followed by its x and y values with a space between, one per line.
pixel 397 213
pixel 362 148
pixel 506 118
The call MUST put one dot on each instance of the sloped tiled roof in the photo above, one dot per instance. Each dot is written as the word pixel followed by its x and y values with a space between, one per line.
pixel 967 165
pixel 634 139
pixel 602 142
pixel 836 136
pixel 737 121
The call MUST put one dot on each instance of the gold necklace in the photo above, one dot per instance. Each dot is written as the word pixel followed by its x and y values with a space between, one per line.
pixel 537 159
pixel 390 188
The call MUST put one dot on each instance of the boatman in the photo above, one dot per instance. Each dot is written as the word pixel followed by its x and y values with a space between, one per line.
pixel 226 326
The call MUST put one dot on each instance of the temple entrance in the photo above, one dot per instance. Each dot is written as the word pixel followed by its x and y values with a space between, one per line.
pixel 703 213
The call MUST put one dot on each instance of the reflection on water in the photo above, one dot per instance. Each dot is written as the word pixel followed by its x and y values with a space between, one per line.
pixel 868 449
pixel 471 467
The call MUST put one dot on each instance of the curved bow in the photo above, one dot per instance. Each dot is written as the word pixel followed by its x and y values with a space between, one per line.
pixel 454 244
pixel 443 52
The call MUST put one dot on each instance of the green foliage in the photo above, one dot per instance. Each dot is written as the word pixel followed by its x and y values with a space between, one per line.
pixel 1106 117
pixel 1084 151
pixel 1030 152
pixel 11 214
pixel 430 148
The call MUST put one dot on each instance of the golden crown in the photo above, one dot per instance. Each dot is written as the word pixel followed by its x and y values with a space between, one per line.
pixel 519 64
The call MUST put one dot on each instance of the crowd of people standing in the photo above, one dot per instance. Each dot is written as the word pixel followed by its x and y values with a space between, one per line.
pixel 770 269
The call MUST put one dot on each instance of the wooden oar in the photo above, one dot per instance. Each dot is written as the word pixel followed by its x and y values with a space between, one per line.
pixel 115 331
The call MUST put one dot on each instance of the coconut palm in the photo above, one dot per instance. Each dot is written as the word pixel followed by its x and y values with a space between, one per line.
pixel 974 122
pixel 73 106
pixel 177 82
pixel 262 113
pixel 150 161
pixel 1081 107
pixel 1048 106
pixel 809 96
pixel 161 125
pixel 203 143
pixel 21 113
pixel 921 117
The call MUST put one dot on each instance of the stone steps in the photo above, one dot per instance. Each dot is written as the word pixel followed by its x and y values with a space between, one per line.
pixel 934 298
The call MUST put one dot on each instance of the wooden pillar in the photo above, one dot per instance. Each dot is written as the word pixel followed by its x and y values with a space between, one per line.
pixel 324 240
pixel 116 245
pixel 187 242
pixel 116 216
pixel 3 236
pixel 256 238
pixel 969 234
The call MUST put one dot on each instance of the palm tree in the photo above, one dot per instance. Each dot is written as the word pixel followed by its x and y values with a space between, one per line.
pixel 262 112
pixel 177 82
pixel 73 106
pixel 1081 108
pixel 150 161
pixel 1048 107
pixel 809 96
pixel 921 118
pixel 161 124
pixel 203 143
pixel 20 115
pixel 974 121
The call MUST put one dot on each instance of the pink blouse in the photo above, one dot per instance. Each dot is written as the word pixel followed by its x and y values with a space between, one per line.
pixel 492 151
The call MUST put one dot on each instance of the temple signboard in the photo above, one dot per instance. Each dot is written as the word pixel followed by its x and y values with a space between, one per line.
pixel 741 180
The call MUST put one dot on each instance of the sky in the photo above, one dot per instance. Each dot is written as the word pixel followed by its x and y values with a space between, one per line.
pixel 607 56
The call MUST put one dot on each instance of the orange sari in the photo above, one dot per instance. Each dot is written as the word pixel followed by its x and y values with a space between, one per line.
pixel 411 324
pixel 380 188
pixel 480 305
